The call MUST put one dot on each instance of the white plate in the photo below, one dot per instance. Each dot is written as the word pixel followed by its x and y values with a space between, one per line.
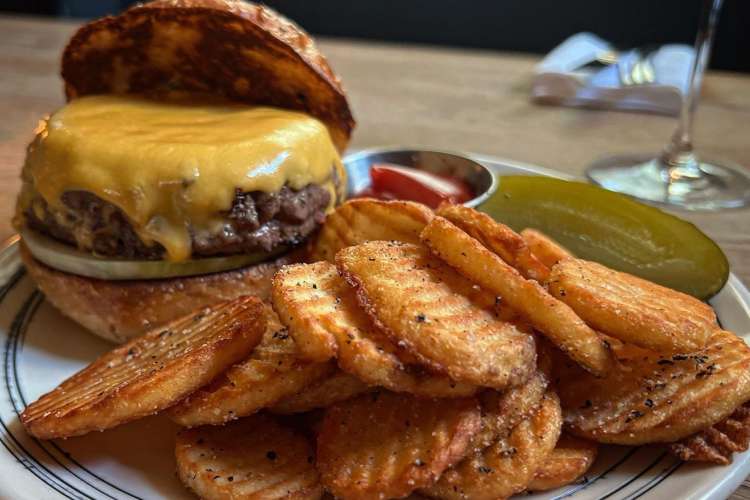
pixel 40 348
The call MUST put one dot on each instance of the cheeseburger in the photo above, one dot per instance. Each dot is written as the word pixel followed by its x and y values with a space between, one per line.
pixel 198 150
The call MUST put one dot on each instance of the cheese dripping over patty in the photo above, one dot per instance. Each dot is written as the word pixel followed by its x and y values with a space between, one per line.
pixel 173 167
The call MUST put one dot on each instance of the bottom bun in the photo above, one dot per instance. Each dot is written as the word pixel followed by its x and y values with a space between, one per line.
pixel 121 310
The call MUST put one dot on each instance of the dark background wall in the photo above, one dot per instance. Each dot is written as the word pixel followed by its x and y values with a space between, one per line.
pixel 518 25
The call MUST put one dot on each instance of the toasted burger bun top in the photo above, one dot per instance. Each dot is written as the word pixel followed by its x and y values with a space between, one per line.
pixel 227 48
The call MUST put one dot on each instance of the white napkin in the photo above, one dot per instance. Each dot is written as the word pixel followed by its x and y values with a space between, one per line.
pixel 561 77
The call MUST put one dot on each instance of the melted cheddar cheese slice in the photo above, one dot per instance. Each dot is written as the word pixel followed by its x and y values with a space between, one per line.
pixel 173 167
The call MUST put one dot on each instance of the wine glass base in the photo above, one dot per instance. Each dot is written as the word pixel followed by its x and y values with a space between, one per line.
pixel 708 187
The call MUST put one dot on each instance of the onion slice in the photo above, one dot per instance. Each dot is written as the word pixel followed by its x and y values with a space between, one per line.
pixel 70 260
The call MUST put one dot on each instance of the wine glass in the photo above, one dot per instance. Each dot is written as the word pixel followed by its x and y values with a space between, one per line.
pixel 678 177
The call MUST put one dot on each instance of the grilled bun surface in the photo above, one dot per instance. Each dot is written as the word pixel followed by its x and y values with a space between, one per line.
pixel 233 49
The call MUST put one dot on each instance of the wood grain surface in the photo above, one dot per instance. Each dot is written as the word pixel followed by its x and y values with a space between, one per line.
pixel 449 99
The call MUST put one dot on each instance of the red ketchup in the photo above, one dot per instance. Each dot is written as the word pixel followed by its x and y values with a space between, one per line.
pixel 396 182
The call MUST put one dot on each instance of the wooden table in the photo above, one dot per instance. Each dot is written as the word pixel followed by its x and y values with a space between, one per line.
pixel 450 99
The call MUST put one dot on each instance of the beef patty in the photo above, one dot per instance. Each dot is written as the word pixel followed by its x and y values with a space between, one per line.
pixel 257 221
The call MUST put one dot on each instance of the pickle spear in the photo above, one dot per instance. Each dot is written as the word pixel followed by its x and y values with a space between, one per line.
pixel 613 230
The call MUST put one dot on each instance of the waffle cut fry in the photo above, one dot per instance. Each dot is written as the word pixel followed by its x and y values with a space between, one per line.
pixel 719 442
pixel 548 251
pixel 149 373
pixel 386 445
pixel 508 466
pixel 632 309
pixel 337 387
pixel 449 324
pixel 366 219
pixel 567 463
pixel 254 457
pixel 315 302
pixel 554 319
pixel 499 238
pixel 650 398
pixel 502 411
pixel 272 372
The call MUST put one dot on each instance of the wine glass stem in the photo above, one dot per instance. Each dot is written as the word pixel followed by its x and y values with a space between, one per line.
pixel 678 156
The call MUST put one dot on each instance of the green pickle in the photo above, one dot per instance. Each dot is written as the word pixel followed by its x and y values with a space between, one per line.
pixel 614 230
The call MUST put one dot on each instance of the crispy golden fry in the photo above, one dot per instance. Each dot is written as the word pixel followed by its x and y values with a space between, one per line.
pixel 544 248
pixel 315 302
pixel 366 219
pixel 499 238
pixel 449 324
pixel 502 411
pixel 299 301
pixel 386 445
pixel 649 398
pixel 717 443
pixel 551 317
pixel 252 458
pixel 632 309
pixel 339 386
pixel 149 373
pixel 272 372
pixel 570 460
pixel 508 466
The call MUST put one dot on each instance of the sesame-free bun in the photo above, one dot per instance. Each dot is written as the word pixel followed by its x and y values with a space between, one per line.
pixel 227 48
pixel 121 310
